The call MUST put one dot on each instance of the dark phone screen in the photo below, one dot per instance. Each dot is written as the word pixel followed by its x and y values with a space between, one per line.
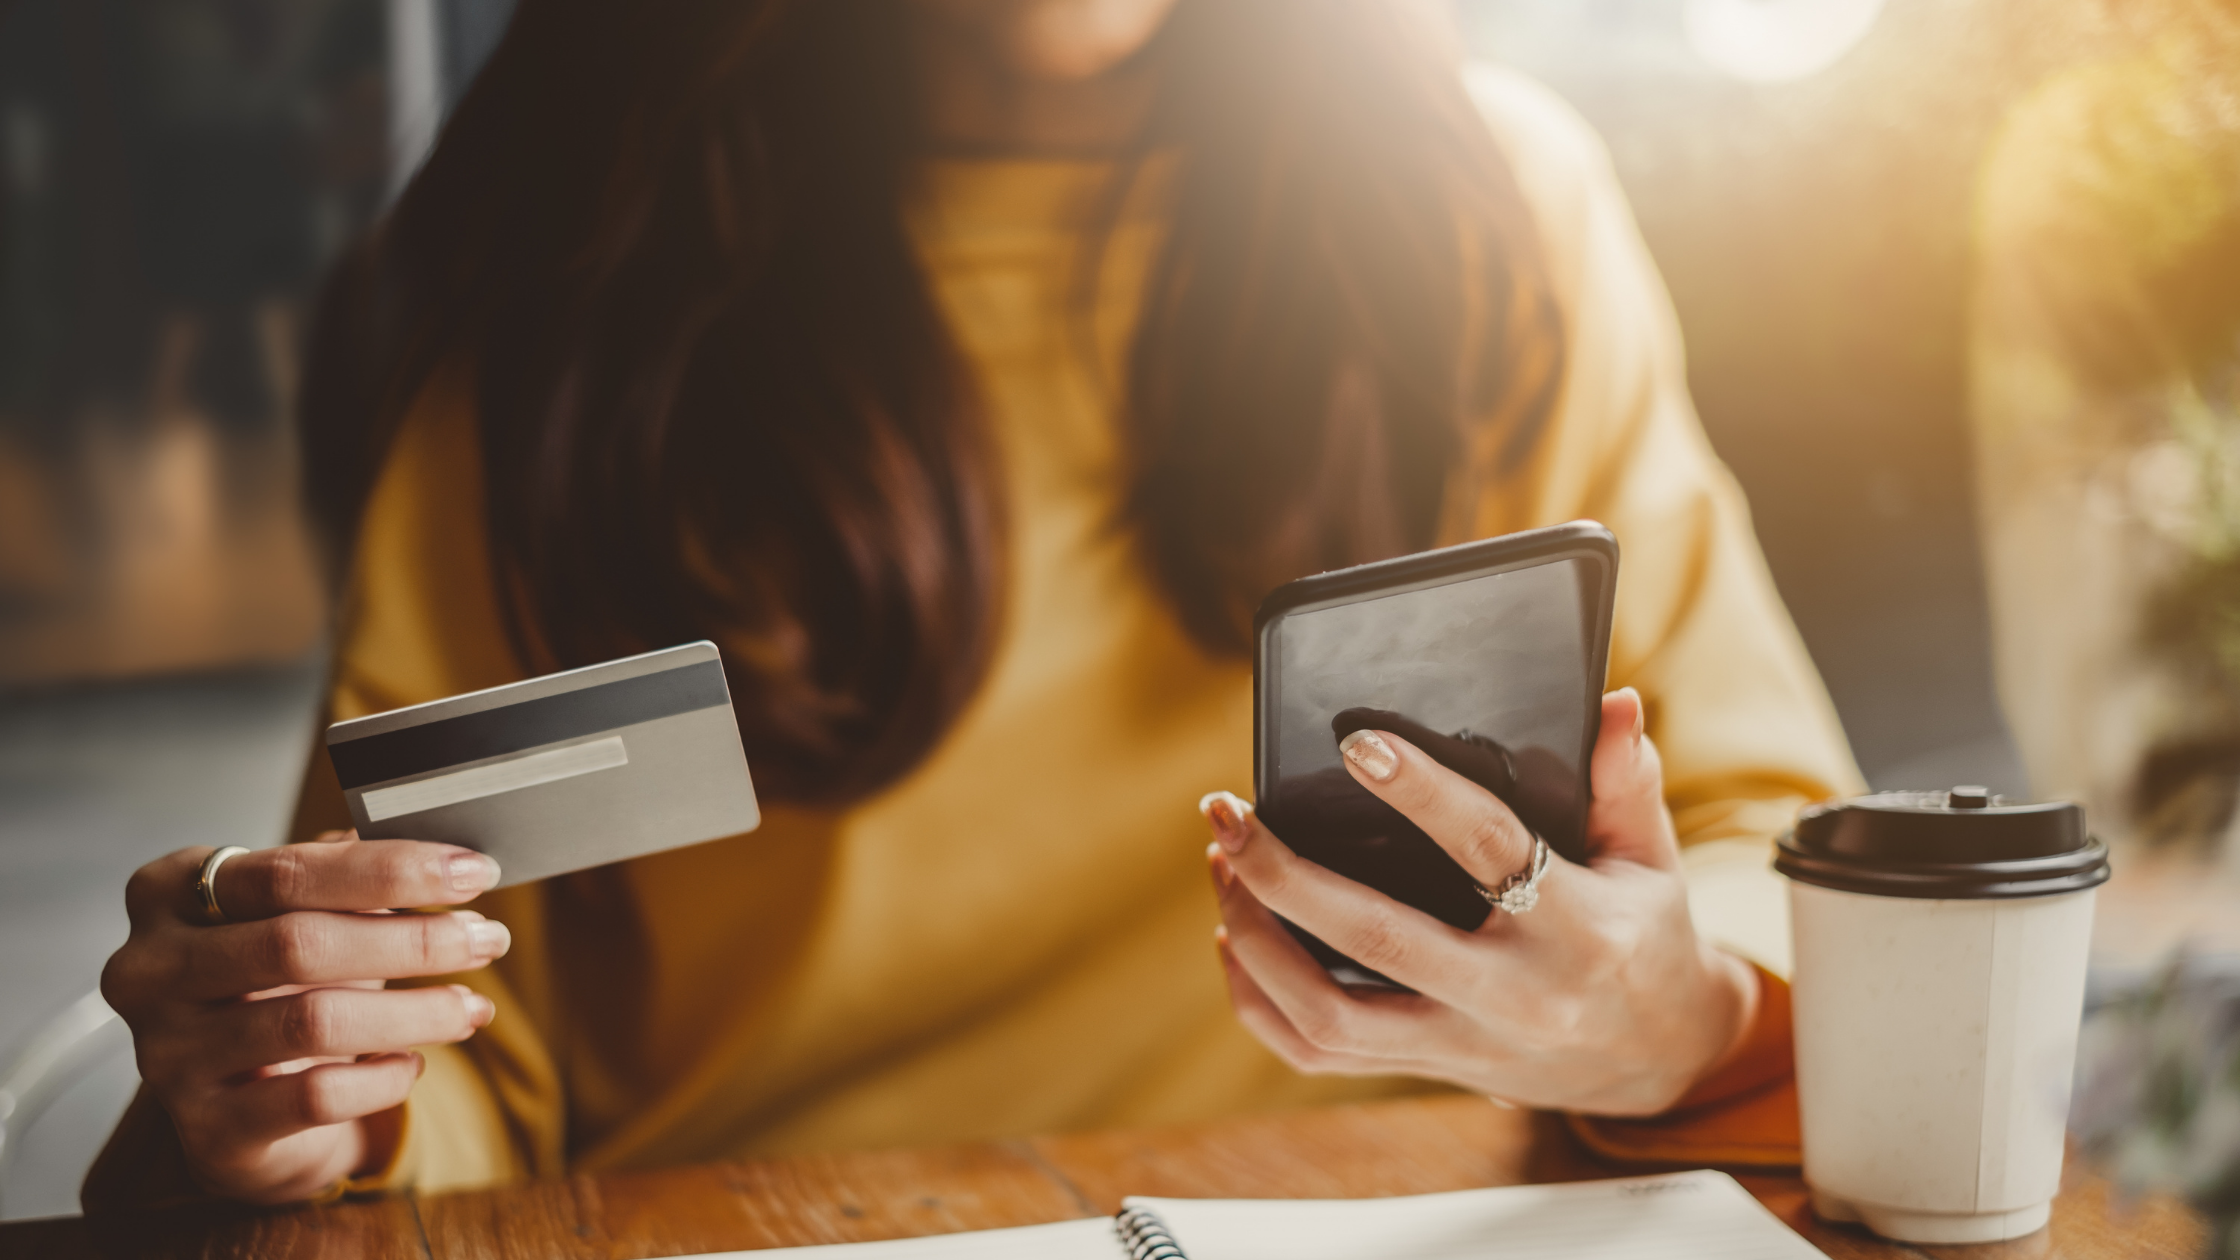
pixel 1487 674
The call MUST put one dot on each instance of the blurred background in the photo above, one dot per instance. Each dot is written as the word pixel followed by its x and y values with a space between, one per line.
pixel 1958 280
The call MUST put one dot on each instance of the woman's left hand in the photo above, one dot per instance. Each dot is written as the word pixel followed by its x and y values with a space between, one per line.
pixel 1601 999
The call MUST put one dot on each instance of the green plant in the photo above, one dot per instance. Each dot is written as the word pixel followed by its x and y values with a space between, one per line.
pixel 2188 783
pixel 2158 1093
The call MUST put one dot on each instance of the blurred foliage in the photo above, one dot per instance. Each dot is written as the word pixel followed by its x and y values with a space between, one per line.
pixel 2189 782
pixel 2158 1094
pixel 2114 195
pixel 2121 176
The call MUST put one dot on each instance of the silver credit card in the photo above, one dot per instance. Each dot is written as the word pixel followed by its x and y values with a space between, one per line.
pixel 559 773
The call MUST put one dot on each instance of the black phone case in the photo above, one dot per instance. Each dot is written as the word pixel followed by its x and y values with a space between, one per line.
pixel 1412 868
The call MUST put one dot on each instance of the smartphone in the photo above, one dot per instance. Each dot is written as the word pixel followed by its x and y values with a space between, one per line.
pixel 1490 656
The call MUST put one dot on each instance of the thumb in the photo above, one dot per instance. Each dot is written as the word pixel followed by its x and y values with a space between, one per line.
pixel 1629 821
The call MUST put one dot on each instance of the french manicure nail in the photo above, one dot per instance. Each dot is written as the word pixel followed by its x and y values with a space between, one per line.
pixel 1368 752
pixel 1228 815
pixel 486 938
pixel 480 1010
pixel 472 872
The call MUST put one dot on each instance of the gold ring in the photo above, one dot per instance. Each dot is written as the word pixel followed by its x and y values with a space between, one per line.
pixel 206 883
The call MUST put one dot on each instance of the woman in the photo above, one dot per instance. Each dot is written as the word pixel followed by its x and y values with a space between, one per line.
pixel 968 369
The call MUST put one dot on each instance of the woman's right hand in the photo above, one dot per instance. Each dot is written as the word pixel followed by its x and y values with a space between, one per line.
pixel 270 1039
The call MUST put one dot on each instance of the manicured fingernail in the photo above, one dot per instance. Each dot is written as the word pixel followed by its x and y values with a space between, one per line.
pixel 473 872
pixel 419 1065
pixel 486 938
pixel 480 1010
pixel 1223 873
pixel 1229 817
pixel 1221 937
pixel 1640 716
pixel 1370 754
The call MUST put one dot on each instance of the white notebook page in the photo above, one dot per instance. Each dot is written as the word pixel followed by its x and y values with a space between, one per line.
pixel 1679 1216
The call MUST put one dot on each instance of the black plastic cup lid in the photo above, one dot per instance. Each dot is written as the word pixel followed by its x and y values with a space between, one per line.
pixel 1961 844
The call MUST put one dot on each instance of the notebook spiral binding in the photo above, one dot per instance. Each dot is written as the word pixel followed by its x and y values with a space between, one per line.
pixel 1145 1236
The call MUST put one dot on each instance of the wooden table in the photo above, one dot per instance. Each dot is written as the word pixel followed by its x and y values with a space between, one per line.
pixel 1409 1147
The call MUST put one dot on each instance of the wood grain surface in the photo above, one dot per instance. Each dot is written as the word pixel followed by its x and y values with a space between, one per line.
pixel 385 1230
pixel 1414 1146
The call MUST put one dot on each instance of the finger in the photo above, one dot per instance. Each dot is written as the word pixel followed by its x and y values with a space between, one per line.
pixel 1372 1023
pixel 1476 757
pixel 164 888
pixel 337 1023
pixel 345 874
pixel 331 1093
pixel 1629 820
pixel 315 947
pixel 1471 824
pixel 1398 940
pixel 1263 1020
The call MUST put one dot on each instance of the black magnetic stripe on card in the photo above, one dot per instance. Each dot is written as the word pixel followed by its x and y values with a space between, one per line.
pixel 448 742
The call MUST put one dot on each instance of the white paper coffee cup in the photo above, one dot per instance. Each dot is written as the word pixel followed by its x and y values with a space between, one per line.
pixel 1938 988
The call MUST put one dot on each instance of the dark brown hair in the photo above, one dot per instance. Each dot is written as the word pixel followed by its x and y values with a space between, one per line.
pixel 716 399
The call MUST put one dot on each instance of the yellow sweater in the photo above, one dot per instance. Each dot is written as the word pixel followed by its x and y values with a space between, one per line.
pixel 1017 937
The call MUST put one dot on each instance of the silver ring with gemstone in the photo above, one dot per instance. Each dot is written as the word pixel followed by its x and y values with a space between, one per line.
pixel 1521 891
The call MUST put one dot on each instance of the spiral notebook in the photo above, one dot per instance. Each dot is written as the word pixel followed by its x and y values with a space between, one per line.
pixel 1678 1216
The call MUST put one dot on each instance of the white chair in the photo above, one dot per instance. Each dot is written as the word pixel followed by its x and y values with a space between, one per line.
pixel 86 1036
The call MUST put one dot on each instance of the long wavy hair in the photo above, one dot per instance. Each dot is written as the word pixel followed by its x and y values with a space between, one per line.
pixel 716 398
